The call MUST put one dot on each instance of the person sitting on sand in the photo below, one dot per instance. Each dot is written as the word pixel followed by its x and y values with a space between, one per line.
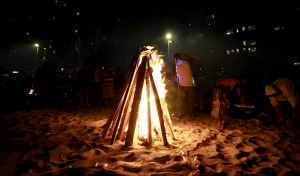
pixel 281 90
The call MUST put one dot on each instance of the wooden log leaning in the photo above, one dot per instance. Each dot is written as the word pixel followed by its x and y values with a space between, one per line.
pixel 136 102
pixel 159 109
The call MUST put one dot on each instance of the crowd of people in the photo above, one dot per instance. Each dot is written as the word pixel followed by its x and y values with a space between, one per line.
pixel 101 85
pixel 230 92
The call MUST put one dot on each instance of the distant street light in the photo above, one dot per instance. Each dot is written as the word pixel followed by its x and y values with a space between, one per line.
pixel 37 51
pixel 169 36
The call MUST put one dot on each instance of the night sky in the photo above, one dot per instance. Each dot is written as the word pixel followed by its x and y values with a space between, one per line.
pixel 113 31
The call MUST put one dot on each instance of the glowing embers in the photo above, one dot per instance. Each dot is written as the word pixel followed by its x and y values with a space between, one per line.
pixel 141 112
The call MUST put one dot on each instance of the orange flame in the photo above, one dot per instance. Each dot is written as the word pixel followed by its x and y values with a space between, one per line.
pixel 156 63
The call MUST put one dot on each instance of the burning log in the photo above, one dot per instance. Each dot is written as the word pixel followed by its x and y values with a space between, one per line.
pixel 139 90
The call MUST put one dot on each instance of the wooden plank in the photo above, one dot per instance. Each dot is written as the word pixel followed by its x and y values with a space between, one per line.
pixel 159 109
pixel 149 137
pixel 125 118
pixel 136 102
pixel 116 126
pixel 116 109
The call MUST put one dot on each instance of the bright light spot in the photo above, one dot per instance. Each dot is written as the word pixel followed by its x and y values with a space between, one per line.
pixel 36 45
pixel 31 92
pixel 168 36
pixel 15 72
pixel 230 51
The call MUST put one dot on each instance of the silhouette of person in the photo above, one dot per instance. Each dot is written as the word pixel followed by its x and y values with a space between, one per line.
pixel 182 72
pixel 85 80
pixel 108 84
pixel 231 84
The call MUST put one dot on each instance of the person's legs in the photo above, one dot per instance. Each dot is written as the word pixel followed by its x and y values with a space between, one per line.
pixel 180 101
pixel 82 95
pixel 110 91
pixel 190 97
pixel 87 95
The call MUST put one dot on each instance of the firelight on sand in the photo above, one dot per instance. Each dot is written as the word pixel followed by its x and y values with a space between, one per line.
pixel 142 109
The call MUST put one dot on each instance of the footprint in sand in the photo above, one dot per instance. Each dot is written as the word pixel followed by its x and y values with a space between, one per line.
pixel 130 158
pixel 163 159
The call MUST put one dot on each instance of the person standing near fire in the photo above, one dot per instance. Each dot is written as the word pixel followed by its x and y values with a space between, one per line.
pixel 85 80
pixel 182 73
pixel 108 84
pixel 282 90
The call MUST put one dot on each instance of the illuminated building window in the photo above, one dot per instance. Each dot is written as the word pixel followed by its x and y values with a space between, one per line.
pixel 279 27
pixel 76 31
pixel 252 42
pixel 244 49
pixel 251 49
pixel 243 29
pixel 244 42
pixel 229 31
pixel 237 30
pixel 251 28
pixel 77 13
pixel 212 16
pixel 296 64
pixel 230 51
pixel 237 50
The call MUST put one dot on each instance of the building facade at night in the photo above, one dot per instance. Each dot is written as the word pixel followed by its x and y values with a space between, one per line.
pixel 229 41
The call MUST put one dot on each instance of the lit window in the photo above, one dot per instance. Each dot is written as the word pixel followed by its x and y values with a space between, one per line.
pixel 243 28
pixel 78 13
pixel 229 31
pixel 251 28
pixel 244 49
pixel 27 33
pixel 230 51
pixel 296 63
pixel 244 42
pixel 252 42
pixel 277 28
pixel 237 30
pixel 251 49
pixel 212 16
pixel 237 50
pixel 76 31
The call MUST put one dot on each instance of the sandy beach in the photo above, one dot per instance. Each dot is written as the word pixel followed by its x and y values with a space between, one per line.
pixel 67 141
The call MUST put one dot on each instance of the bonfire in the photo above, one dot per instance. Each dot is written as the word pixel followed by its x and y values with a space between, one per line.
pixel 141 111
